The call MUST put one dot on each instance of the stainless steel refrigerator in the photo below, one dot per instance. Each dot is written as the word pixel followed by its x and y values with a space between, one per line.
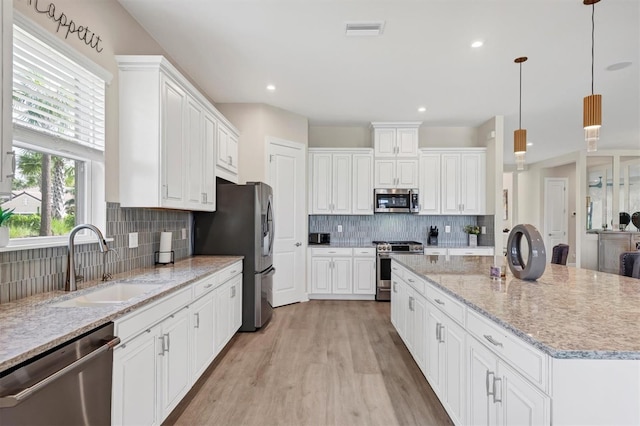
pixel 243 225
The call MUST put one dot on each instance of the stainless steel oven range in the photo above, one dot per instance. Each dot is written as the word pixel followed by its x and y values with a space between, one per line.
pixel 383 263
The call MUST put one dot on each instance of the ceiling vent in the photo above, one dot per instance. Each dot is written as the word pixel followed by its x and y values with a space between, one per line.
pixel 364 28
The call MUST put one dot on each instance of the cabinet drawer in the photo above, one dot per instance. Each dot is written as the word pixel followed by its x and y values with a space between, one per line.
pixel 204 285
pixel 435 251
pixel 368 251
pixel 446 304
pixel 132 324
pixel 398 270
pixel 525 358
pixel 471 251
pixel 332 251
pixel 415 281
pixel 228 272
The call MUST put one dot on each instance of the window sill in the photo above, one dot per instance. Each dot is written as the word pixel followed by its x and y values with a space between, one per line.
pixel 25 244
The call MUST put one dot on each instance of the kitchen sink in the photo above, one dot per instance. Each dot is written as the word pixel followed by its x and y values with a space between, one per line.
pixel 116 293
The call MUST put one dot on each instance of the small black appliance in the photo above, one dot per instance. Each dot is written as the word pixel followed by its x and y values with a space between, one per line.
pixel 432 239
pixel 319 238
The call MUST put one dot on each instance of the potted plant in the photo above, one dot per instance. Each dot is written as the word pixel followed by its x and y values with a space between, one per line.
pixel 5 215
pixel 473 232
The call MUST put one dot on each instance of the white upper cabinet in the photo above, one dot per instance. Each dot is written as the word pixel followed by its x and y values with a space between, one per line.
pixel 341 181
pixel 401 173
pixel 395 139
pixel 168 138
pixel 6 78
pixel 227 156
pixel 453 182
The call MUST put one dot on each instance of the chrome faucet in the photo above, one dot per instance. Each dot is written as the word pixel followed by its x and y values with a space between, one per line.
pixel 70 283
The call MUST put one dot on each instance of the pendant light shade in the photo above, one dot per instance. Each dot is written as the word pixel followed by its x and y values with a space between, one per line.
pixel 592 117
pixel 520 135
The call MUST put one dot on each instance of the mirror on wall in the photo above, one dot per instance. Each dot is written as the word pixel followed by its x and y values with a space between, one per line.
pixel 610 208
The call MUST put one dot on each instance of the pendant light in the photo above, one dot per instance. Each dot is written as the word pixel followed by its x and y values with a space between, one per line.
pixel 520 135
pixel 592 117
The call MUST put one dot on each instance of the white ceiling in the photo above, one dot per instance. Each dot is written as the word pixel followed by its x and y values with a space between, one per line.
pixel 233 48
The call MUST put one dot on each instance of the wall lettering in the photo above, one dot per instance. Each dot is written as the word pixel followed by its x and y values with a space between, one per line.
pixel 67 25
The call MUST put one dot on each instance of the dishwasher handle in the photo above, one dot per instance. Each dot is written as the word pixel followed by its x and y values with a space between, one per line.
pixel 15 399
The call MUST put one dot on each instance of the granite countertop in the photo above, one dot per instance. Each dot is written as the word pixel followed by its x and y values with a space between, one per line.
pixel 567 312
pixel 33 325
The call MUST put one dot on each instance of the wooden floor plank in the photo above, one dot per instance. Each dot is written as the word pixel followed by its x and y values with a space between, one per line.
pixel 316 363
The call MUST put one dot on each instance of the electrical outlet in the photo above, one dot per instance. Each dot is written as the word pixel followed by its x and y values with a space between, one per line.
pixel 339 228
pixel 184 233
pixel 133 239
pixel 483 229
pixel 447 229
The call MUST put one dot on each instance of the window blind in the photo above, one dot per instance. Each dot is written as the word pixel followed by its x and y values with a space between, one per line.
pixel 54 95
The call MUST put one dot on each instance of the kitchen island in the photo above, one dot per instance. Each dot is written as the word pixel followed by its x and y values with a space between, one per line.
pixel 564 349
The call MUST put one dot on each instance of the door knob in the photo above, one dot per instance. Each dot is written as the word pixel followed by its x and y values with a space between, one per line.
pixel 298 244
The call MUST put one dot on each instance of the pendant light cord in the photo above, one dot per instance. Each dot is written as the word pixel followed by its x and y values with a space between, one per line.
pixel 520 104
pixel 593 25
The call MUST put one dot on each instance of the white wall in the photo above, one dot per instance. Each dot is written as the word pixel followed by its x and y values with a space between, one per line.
pixel 255 122
pixel 458 137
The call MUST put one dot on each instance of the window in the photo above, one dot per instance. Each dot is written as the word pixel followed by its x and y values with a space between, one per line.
pixel 58 137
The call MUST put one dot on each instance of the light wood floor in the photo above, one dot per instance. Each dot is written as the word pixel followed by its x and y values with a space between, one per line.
pixel 316 363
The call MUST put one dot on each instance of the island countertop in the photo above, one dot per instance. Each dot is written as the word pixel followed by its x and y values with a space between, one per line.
pixel 567 313
pixel 31 326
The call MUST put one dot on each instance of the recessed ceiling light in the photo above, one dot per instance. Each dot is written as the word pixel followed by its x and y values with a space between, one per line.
pixel 271 87
pixel 477 43
pixel 529 143
pixel 422 109
pixel 618 66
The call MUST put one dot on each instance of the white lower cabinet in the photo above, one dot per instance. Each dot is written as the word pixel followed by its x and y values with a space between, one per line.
pixel 498 395
pixel 338 273
pixel 168 344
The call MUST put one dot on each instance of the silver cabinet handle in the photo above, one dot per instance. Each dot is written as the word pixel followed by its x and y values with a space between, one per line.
pixel 13 400
pixel 439 302
pixel 410 303
pixel 230 160
pixel 395 290
pixel 168 340
pixel 493 341
pixel 410 280
pixel 298 244
pixel 197 315
pixel 233 272
pixel 488 381
pixel 161 338
pixel 233 291
pixel 165 189
pixel 437 332
pixel 208 285
pixel 441 340
pixel 332 252
pixel 495 389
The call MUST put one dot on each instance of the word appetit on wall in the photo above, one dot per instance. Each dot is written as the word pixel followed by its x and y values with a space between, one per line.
pixel 64 23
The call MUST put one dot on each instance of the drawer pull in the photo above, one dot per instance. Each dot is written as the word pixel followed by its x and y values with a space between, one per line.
pixel 439 302
pixel 410 280
pixel 233 272
pixel 332 252
pixel 493 341
pixel 208 285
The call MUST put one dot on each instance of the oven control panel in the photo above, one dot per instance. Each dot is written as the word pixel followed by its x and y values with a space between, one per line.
pixel 411 247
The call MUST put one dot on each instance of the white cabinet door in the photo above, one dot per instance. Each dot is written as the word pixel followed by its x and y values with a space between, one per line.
pixel 202 334
pixel 472 183
pixel 407 142
pixel 429 171
pixel 522 403
pixel 209 162
pixel 173 100
pixel 407 173
pixel 399 289
pixel 222 157
pixel 227 153
pixel 364 275
pixel 362 193
pixel 321 183
pixel 435 352
pixel 135 380
pixel 454 396
pixel 6 77
pixel 321 275
pixel 482 367
pixel 175 377
pixel 223 314
pixel 194 143
pixel 450 198
pixel 385 174
pixel 418 329
pixel 396 308
pixel 341 187
pixel 384 142
pixel 236 303
pixel 342 275
pixel 232 151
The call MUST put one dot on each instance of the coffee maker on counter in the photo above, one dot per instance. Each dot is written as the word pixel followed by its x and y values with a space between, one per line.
pixel 432 238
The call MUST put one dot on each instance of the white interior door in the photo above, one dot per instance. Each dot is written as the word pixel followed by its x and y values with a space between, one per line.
pixel 555 213
pixel 287 177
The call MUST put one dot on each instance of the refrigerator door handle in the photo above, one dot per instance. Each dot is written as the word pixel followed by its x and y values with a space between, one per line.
pixel 270 225
pixel 270 271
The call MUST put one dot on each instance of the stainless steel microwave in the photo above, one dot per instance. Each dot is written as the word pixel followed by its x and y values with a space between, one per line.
pixel 396 200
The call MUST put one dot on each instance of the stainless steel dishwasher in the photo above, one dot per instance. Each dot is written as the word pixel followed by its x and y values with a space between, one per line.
pixel 67 385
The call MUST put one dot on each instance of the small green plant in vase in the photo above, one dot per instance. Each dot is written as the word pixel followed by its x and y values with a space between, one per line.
pixel 473 232
pixel 5 215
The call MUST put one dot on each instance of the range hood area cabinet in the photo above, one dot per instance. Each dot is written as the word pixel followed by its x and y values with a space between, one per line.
pixel 340 181
pixel 396 154
pixel 453 181
pixel 168 137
